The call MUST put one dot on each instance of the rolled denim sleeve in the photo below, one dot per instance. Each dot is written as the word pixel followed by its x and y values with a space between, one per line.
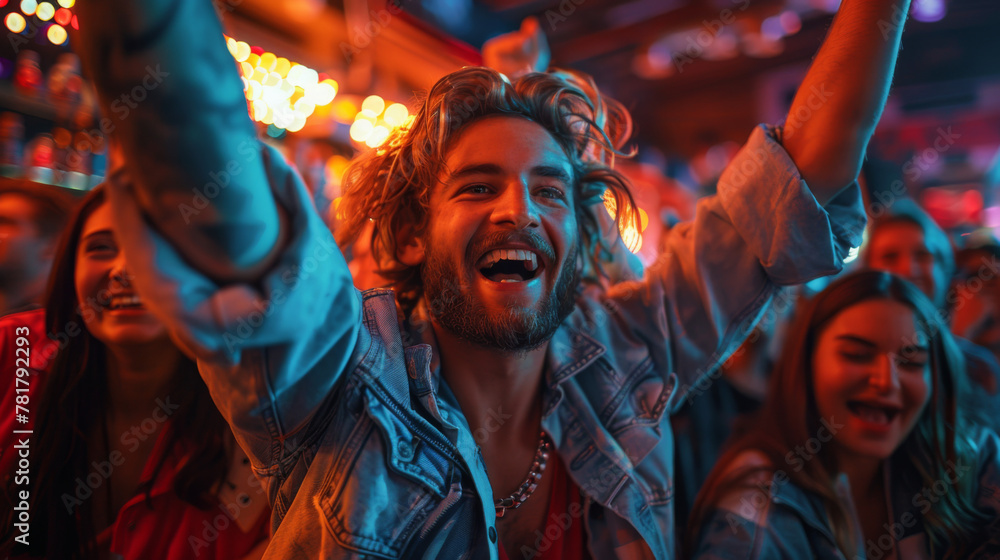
pixel 170 94
pixel 206 203
pixel 270 352
pixel 762 231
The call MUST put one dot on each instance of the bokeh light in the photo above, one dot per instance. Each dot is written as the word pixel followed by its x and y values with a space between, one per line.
pixel 15 22
pixel 631 233
pixel 63 16
pixel 57 34
pixel 395 114
pixel 281 93
pixel 374 104
pixel 361 130
pixel 45 11
pixel 376 122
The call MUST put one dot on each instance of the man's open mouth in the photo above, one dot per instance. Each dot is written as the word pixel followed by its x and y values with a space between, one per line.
pixel 510 265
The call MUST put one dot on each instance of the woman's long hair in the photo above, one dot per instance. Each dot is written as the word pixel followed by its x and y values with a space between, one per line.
pixel 790 417
pixel 73 407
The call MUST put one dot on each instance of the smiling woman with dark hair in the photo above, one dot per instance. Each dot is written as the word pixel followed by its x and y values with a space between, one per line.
pixel 124 411
pixel 861 421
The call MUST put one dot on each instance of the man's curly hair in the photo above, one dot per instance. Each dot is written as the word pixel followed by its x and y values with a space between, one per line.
pixel 391 185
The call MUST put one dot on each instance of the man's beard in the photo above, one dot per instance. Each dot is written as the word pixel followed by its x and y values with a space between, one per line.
pixel 514 329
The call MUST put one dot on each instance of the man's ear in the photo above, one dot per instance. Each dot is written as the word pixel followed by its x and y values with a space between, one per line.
pixel 410 249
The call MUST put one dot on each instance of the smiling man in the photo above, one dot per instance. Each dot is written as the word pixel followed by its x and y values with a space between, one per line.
pixel 496 404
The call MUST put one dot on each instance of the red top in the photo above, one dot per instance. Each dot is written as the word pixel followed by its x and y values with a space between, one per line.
pixel 32 356
pixel 563 535
pixel 172 529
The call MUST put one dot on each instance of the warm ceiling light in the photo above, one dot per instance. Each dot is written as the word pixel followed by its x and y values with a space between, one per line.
pixel 373 103
pixel 15 22
pixel 57 34
pixel 45 11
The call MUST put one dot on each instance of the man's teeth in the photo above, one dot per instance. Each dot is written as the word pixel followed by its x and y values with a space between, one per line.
pixel 529 257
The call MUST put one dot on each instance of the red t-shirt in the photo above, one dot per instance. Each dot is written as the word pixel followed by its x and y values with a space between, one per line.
pixel 23 346
pixel 173 529
pixel 563 535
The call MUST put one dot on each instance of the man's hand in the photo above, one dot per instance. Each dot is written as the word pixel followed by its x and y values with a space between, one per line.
pixel 518 52
pixel 171 93
pixel 841 98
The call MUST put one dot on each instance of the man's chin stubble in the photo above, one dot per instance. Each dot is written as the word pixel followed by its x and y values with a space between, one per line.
pixel 515 331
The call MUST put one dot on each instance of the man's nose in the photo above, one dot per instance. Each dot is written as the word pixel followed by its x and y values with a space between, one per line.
pixel 516 207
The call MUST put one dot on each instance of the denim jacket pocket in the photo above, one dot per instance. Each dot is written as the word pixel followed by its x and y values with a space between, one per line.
pixel 388 482
pixel 637 402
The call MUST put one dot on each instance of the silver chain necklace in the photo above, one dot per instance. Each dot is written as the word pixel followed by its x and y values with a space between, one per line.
pixel 530 483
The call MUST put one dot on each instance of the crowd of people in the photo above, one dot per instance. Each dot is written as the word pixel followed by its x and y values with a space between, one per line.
pixel 472 365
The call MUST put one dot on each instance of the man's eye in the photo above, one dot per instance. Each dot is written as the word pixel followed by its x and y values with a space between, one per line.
pixel 477 189
pixel 552 192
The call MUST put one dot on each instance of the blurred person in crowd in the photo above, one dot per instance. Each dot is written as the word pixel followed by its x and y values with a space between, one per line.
pixel 862 449
pixel 129 458
pixel 512 405
pixel 518 52
pixel 32 216
pixel 905 241
pixel 717 412
pixel 976 301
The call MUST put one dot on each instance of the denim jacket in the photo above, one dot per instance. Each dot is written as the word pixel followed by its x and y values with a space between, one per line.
pixel 362 449
pixel 780 520
pixel 360 445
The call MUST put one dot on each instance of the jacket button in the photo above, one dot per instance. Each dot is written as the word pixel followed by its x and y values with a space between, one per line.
pixel 404 450
pixel 493 534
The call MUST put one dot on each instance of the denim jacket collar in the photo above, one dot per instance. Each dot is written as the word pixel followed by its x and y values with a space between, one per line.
pixel 608 479
pixel 568 352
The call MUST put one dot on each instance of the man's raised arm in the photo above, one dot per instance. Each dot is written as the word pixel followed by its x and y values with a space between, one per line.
pixel 841 99
pixel 222 240
pixel 179 114
pixel 788 208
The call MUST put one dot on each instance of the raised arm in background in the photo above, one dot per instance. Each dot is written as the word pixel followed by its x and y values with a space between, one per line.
pixel 841 98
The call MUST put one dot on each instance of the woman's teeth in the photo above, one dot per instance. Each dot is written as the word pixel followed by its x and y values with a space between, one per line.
pixel 118 302
pixel 873 414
